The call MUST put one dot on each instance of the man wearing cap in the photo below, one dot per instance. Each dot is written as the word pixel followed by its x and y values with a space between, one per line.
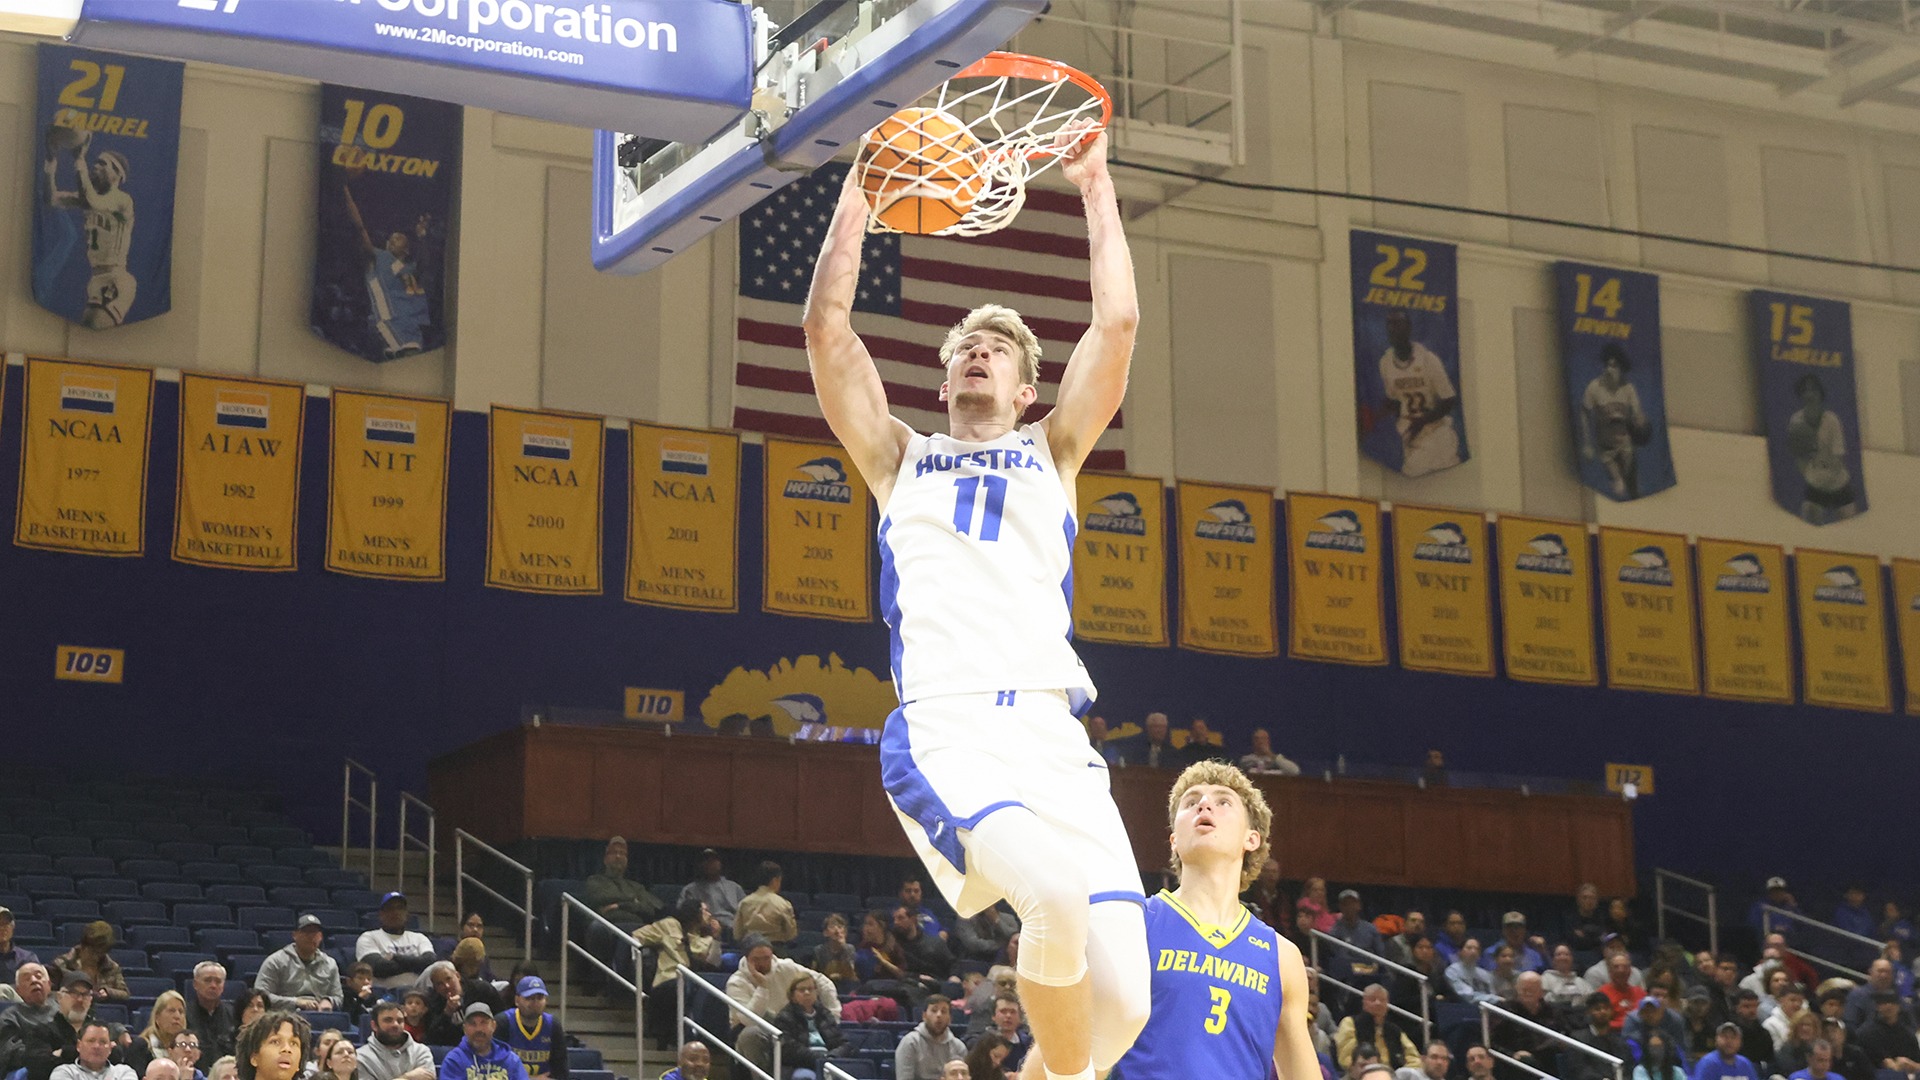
pixel 397 955
pixel 1887 1043
pixel 1726 1062
pixel 1860 999
pixel 1513 931
pixel 1358 932
pixel 12 957
pixel 479 1057
pixel 1601 972
pixel 1652 1014
pixel 1601 1033
pixel 93 1050
pixel 623 903
pixel 1767 922
pixel 46 1047
pixel 299 975
pixel 1848 1058
pixel 531 1033
pixel 390 1052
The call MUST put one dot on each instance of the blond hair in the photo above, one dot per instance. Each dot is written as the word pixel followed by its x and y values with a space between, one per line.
pixel 166 998
pixel 1259 815
pixel 1003 321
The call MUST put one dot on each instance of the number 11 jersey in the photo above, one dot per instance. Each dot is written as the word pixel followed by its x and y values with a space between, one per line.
pixel 976 569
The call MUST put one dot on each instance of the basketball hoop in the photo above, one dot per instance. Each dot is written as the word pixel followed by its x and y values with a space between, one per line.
pixel 974 146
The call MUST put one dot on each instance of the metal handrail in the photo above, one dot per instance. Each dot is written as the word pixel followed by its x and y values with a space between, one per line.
pixel 1487 1008
pixel 1829 928
pixel 1660 906
pixel 765 1026
pixel 348 804
pixel 430 845
pixel 835 1072
pixel 461 838
pixel 1314 937
pixel 567 946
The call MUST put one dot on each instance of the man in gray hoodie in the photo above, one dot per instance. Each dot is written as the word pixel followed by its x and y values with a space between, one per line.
pixel 927 1048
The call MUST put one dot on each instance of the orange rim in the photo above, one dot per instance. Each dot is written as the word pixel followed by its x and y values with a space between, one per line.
pixel 996 65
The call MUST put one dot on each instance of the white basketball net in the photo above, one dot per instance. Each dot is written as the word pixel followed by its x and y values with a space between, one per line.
pixel 1012 123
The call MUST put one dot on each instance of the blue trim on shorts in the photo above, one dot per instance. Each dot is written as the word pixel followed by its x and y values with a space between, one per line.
pixel 900 775
pixel 1119 894
pixel 890 606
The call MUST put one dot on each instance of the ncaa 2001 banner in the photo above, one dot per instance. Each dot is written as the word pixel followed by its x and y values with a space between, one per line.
pixel 1803 356
pixel 389 165
pixel 1406 352
pixel 683 518
pixel 1610 348
pixel 108 133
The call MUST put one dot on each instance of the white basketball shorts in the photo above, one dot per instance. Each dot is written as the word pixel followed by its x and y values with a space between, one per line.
pixel 948 762
pixel 111 290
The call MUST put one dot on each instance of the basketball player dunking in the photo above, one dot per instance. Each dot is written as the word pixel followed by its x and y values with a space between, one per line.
pixel 985 763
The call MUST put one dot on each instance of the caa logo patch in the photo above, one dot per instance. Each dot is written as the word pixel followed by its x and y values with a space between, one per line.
pixel 1226 520
pixel 1117 513
pixel 1648 566
pixel 1842 587
pixel 826 481
pixel 1445 542
pixel 1743 573
pixel 1545 554
pixel 1338 531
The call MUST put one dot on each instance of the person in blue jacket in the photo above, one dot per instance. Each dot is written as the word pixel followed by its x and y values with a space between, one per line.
pixel 478 1057
pixel 1726 1063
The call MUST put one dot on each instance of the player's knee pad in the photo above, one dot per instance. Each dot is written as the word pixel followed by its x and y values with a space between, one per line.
pixel 1047 889
pixel 1122 975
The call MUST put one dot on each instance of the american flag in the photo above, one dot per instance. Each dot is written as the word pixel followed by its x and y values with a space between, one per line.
pixel 912 289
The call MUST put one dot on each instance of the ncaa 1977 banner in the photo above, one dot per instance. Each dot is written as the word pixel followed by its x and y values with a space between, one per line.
pixel 83 461
pixel 1610 346
pixel 107 129
pixel 1406 353
pixel 1803 353
pixel 389 165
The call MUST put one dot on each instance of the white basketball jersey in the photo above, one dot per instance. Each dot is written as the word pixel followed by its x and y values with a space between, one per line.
pixel 109 229
pixel 976 569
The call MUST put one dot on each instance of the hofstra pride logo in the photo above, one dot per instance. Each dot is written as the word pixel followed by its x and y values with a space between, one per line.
pixel 1117 513
pixel 1647 566
pixel 1445 542
pixel 1225 520
pixel 551 441
pixel 88 393
pixel 1339 531
pixel 1545 554
pixel 826 481
pixel 391 425
pixel 241 409
pixel 1842 587
pixel 686 456
pixel 1743 573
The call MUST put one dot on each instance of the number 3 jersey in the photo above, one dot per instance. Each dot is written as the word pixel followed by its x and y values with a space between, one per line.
pixel 976 569
pixel 1216 998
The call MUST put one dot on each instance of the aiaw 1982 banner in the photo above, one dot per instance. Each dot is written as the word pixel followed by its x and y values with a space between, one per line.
pixel 545 476
pixel 1745 621
pixel 1443 589
pixel 1646 601
pixel 83 462
pixel 1843 631
pixel 683 525
pixel 1335 565
pixel 1546 601
pixel 238 505
pixel 387 487
pixel 1120 560
pixel 1226 569
pixel 818 527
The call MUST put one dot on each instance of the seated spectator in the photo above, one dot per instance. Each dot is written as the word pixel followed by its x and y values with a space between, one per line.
pixel 1756 1044
pixel 1894 926
pixel 1724 988
pixel 1886 1041
pixel 1619 988
pixel 358 992
pixel 1108 750
pixel 1521 1042
pixel 185 1056
pixel 690 938
pixel 1696 1015
pixel 1658 1060
pixel 165 1023
pixel 1765 922
pixel 12 957
pixel 1846 1056
pixel 809 1032
pixel 1832 999
pixel 272 1049
pixel 531 1032
pixel 479 1056
pixel 91 956
pixel 323 1043
pixel 1586 923
pixel 879 957
pixel 1313 901
pixel 398 955
pixel 1479 1063
pixel 1266 899
pixel 764 911
pixel 714 888
pixel 1155 748
pixel 1652 1015
pixel 222 1069
pixel 984 936
pixel 34 990
pixel 209 1015
pixel 926 955
pixel 1778 980
pixel 46 1047
pixel 1366 1058
pixel 1202 743
pixel 694 1061
pixel 833 957
pixel 1895 953
pixel 925 1051
pixel 1851 913
pixel 391 1052
pixel 1399 946
pixel 1819 1063
pixel 300 975
pixel 1860 1000
pixel 1374 1026
pixel 159 1069
pixel 1601 1032
pixel 1620 922
pixel 444 1013
pixel 623 903
pixel 414 1012
pixel 760 985
pixel 1470 982
pixel 1792 1001
pixel 1601 972
pixel 984 1060
pixel 1435 988
pixel 1564 986
pixel 1526 949
pixel 956 1070
pixel 912 896
pixel 1263 761
pixel 1433 773
pixel 470 960
pixel 1359 933
pixel 93 1047
pixel 1010 1027
pixel 1453 934
pixel 342 1062
pixel 1434 1064
pixel 1503 973
pixel 252 1007
pixel 1795 1049
pixel 1000 982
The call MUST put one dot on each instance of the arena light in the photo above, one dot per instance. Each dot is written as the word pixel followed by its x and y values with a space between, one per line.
pixel 48 18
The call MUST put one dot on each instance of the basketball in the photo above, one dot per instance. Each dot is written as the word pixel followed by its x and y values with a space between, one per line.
pixel 63 139
pixel 920 171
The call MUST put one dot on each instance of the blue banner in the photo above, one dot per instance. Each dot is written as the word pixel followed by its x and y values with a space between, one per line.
pixel 107 128
pixel 1803 352
pixel 389 166
pixel 674 69
pixel 1610 346
pixel 1406 353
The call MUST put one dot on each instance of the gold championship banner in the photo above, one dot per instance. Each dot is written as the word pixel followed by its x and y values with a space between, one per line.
pixel 387 487
pixel 544 477
pixel 1843 632
pixel 1646 602
pixel 1334 558
pixel 1745 632
pixel 1906 618
pixel 1546 601
pixel 1120 560
pixel 818 525
pixel 1226 569
pixel 683 520
pixel 238 502
pixel 83 463
pixel 1444 598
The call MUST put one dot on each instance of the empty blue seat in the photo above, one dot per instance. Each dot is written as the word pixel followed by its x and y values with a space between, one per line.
pixel 40 825
pixel 201 816
pixel 107 888
pixel 112 1014
pixel 593 1074
pixel 203 916
pixel 339 918
pixel 148 987
pixel 17 903
pixel 300 896
pixel 79 866
pixel 439 1054
pixel 357 899
pixel 325 1021
pixel 279 836
pixel 43 886
pixel 25 862
pixel 131 961
pixel 170 891
pixel 244 854
pixel 844 903
pixel 56 846
pixel 66 910
pixel 227 942
pixel 176 965
pixel 212 873
pixel 245 966
pixel 237 895
pixel 221 834
pixel 184 851
pixel 271 875
pixel 159 937
pixel 70 933
pixel 162 832
pixel 583 1057
pixel 32 930
pixel 306 858
pixel 265 918
pixel 332 877
pixel 151 869
pixel 668 894
pixel 15 843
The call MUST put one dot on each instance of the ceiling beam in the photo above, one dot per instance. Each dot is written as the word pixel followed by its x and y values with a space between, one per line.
pixel 1613 26
pixel 1878 84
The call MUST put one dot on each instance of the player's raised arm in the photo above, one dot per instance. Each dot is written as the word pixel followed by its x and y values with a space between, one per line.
pixel 1096 376
pixel 852 398
pixel 66 200
pixel 353 213
pixel 1293 1052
